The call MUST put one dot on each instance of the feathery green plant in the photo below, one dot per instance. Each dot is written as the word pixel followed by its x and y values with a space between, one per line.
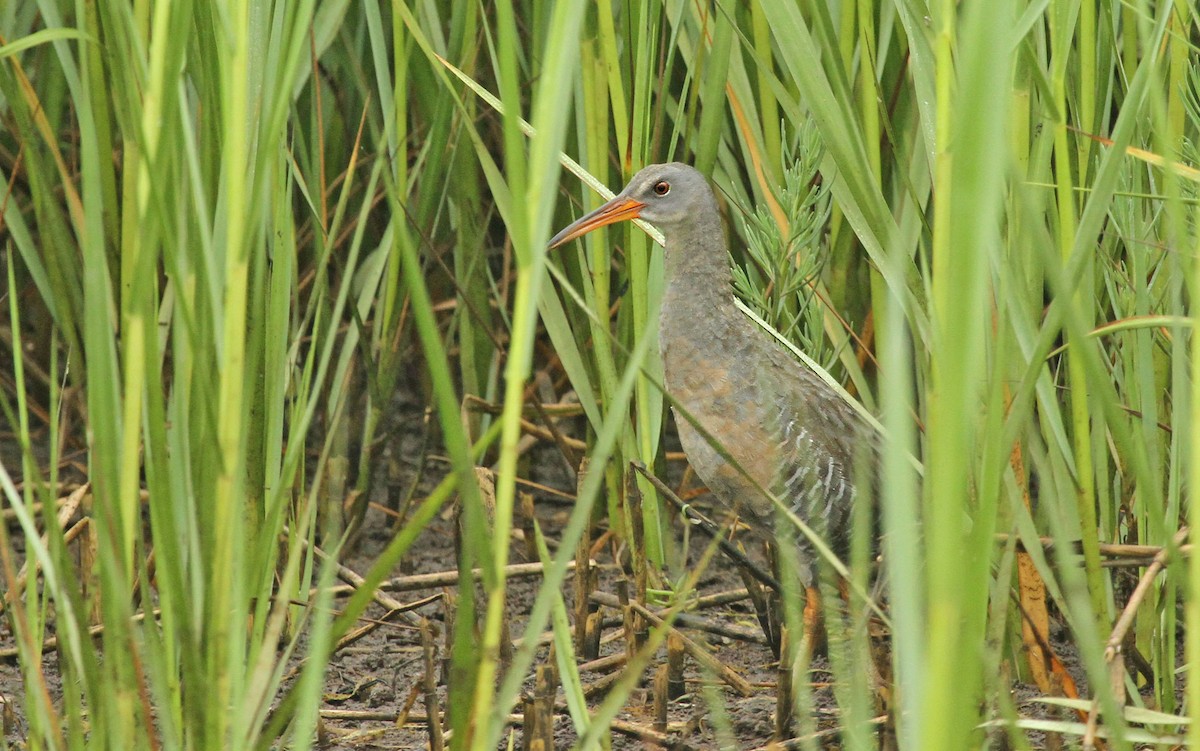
pixel 780 280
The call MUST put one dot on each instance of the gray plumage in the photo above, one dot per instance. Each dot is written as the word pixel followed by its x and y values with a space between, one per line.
pixel 786 428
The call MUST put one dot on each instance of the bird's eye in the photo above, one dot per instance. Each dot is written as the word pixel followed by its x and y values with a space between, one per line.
pixel 662 187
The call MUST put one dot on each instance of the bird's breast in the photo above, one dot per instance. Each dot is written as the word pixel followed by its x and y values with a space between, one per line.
pixel 709 373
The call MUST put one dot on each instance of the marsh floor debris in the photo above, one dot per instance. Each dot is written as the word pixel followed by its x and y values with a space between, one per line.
pixel 712 684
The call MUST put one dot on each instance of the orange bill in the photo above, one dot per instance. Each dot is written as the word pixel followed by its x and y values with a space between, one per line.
pixel 617 210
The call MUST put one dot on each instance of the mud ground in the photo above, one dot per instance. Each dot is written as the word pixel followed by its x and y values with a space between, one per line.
pixel 376 689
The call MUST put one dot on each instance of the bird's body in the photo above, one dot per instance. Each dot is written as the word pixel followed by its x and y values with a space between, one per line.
pixel 786 430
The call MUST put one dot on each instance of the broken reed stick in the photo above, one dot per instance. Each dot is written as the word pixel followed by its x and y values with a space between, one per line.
pixel 537 732
pixel 558 409
pixel 676 687
pixel 67 507
pixel 709 527
pixel 485 480
pixel 737 633
pixel 784 705
pixel 719 598
pixel 661 700
pixel 594 627
pixel 642 733
pixel 371 624
pixel 1112 648
pixel 528 729
pixel 394 607
pixel 528 518
pixel 602 684
pixel 450 628
pixel 429 683
pixel 9 515
pixel 475 404
pixel 583 580
pixel 1140 553
pixel 687 620
pixel 352 577
pixel 50 643
pixel 547 637
pixel 602 664
pixel 697 652
pixel 446 578
pixel 758 596
pixel 569 449
pixel 805 741
pixel 641 568
pixel 626 618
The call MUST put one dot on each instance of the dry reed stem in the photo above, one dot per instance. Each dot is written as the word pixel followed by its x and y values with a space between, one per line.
pixel 429 688
pixel 784 706
pixel 708 527
pixel 629 729
pixel 697 652
pixel 583 576
pixel 66 510
pixel 446 578
pixel 1112 648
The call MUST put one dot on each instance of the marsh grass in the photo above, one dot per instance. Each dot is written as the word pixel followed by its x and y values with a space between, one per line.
pixel 229 231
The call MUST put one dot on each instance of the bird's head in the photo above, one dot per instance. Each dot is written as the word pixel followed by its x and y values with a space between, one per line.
pixel 666 195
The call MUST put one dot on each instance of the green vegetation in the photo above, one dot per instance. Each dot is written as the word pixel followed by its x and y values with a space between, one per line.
pixel 231 229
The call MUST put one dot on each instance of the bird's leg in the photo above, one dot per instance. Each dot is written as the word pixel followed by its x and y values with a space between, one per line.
pixel 814 621
pixel 813 641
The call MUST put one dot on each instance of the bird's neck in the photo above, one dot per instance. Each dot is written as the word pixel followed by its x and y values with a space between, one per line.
pixel 698 276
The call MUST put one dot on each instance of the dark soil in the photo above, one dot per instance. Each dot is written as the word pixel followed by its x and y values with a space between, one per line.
pixel 374 696
pixel 382 674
